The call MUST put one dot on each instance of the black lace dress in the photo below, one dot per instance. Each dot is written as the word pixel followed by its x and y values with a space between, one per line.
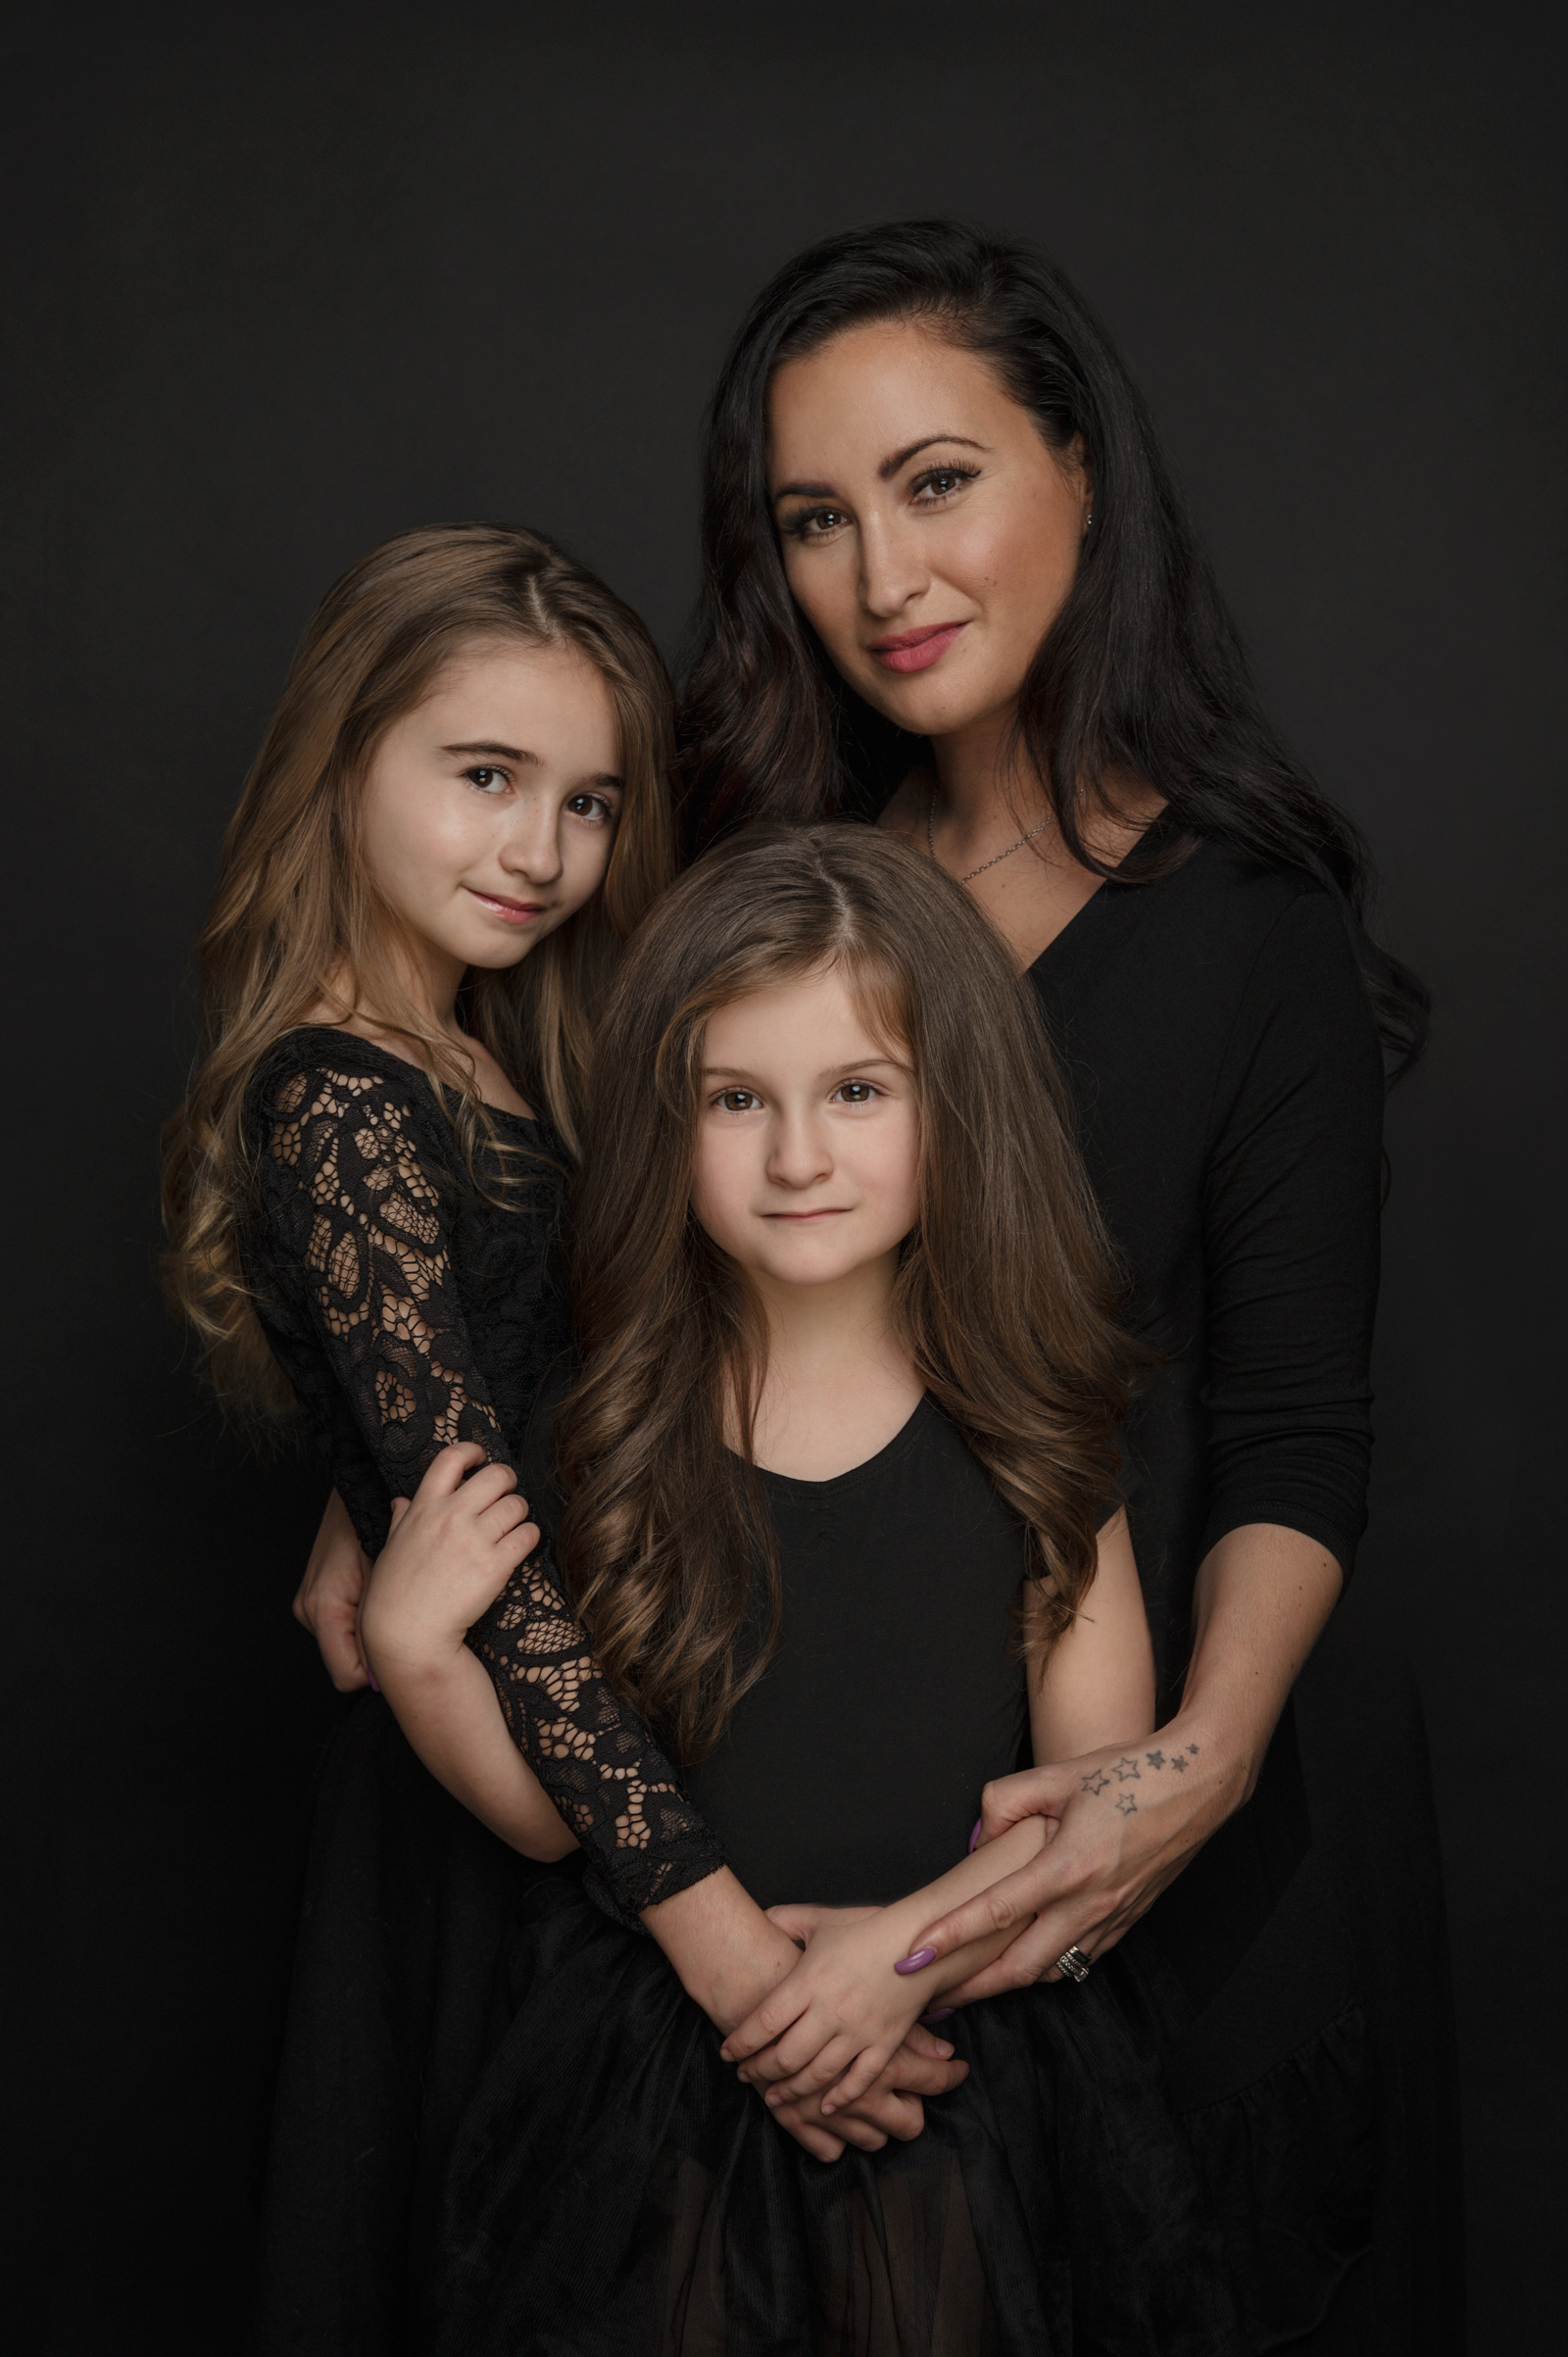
pixel 408 1310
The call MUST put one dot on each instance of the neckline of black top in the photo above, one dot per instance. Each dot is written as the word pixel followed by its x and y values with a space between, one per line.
pixel 1155 837
pixel 397 1065
pixel 790 1484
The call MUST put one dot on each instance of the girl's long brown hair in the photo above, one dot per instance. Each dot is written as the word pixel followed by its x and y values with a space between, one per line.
pixel 297 922
pixel 1004 1293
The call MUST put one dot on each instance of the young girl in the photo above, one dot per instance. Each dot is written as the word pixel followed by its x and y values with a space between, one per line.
pixel 836 1503
pixel 458 812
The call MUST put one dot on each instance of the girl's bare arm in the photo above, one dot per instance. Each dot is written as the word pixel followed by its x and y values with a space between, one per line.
pixel 1098 1683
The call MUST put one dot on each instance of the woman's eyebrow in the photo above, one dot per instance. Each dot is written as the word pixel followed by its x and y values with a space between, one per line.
pixel 890 466
pixel 901 457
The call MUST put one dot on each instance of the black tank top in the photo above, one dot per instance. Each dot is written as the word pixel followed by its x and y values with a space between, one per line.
pixel 850 1773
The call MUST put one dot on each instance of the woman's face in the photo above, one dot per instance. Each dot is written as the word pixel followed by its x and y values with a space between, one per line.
pixel 929 535
pixel 490 810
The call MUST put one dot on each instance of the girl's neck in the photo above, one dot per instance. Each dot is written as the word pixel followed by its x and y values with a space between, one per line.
pixel 839 1383
pixel 427 983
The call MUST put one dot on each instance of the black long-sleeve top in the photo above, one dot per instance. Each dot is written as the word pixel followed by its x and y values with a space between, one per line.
pixel 412 1304
pixel 1218 1043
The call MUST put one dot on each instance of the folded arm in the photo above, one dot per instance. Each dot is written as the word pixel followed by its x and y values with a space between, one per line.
pixel 356 1246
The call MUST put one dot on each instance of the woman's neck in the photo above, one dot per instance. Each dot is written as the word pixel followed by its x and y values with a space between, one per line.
pixel 987 816
pixel 839 1384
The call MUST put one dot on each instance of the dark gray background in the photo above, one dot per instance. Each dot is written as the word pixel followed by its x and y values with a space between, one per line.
pixel 290 280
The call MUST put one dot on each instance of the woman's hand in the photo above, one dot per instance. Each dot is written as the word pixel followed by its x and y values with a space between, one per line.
pixel 1128 1818
pixel 449 1555
pixel 328 1600
pixel 1125 1821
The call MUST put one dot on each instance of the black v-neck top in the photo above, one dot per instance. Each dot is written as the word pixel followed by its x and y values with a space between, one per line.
pixel 851 1772
pixel 1219 1046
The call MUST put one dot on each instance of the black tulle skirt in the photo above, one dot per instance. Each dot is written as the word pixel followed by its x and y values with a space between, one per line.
pixel 503 2129
pixel 616 2192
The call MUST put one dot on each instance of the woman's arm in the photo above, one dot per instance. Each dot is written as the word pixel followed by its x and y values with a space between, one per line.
pixel 1290 1233
pixel 1127 1818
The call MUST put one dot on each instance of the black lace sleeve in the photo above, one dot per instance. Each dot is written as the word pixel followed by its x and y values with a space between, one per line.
pixel 355 1239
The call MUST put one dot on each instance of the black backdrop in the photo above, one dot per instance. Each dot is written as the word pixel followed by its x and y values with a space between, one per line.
pixel 293 279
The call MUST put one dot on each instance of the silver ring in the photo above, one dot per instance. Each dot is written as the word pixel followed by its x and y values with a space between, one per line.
pixel 1075 1964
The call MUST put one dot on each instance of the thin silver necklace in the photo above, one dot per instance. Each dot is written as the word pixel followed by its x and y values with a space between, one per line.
pixel 931 841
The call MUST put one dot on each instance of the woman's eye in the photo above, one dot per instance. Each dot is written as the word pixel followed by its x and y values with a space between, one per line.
pixel 939 482
pixel 488 782
pixel 855 1092
pixel 816 524
pixel 737 1101
pixel 591 806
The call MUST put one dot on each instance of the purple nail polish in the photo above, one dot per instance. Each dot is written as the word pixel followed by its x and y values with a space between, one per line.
pixel 374 1688
pixel 974 1838
pixel 939 2013
pixel 917 1962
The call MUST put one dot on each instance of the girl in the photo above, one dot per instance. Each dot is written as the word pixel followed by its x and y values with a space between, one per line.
pixel 835 1481
pixel 458 812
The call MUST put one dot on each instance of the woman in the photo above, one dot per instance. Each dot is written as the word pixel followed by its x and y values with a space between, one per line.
pixel 950 584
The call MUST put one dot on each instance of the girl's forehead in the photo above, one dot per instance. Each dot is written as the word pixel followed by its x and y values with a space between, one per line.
pixel 839 998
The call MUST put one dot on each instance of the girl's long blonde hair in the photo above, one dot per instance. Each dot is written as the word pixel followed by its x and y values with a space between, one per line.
pixel 297 922
pixel 1006 1297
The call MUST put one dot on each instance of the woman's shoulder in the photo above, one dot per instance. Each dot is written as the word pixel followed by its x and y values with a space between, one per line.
pixel 1225 911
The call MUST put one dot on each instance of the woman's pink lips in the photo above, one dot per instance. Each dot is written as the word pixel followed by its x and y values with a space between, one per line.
pixel 513 912
pixel 916 650
pixel 828 1211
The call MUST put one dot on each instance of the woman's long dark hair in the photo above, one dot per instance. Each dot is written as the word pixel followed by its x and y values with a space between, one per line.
pixel 1141 671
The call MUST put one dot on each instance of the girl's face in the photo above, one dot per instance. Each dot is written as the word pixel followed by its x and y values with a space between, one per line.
pixel 490 810
pixel 807 1167
pixel 929 535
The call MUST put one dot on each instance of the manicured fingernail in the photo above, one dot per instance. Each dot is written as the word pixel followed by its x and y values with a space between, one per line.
pixel 974 1838
pixel 939 2013
pixel 772 2100
pixel 917 1962
pixel 374 1688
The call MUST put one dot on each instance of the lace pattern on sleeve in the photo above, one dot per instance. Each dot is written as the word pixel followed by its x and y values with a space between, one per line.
pixel 355 1214
pixel 611 1784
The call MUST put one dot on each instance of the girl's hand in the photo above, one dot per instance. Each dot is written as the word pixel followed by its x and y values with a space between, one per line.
pixel 448 1556
pixel 835 2022
pixel 328 1600
pixel 891 2108
pixel 1127 1820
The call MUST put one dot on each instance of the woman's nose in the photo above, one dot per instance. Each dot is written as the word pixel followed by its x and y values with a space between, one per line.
pixel 893 570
